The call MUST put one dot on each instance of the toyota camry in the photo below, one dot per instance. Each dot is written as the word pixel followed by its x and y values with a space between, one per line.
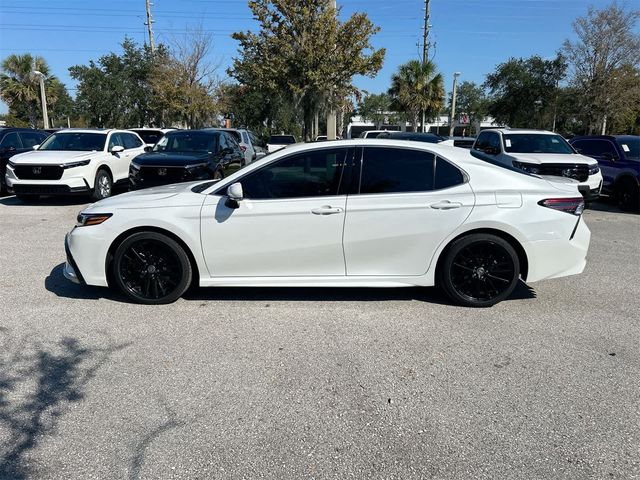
pixel 356 213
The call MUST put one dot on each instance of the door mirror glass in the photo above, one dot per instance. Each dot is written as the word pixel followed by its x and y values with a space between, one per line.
pixel 117 149
pixel 148 148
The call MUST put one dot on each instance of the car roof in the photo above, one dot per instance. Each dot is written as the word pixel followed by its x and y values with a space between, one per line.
pixel 151 129
pixel 520 130
pixel 20 129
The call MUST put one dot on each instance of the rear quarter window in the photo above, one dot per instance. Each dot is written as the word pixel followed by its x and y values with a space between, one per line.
pixel 447 175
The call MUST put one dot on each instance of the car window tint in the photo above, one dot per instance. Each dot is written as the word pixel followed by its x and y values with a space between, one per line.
pixel 447 175
pixel 223 142
pixel 482 142
pixel 150 136
pixel 130 141
pixel 308 174
pixel 494 141
pixel 245 137
pixel 30 139
pixel 232 142
pixel 235 134
pixel 395 170
pixel 115 140
pixel 11 140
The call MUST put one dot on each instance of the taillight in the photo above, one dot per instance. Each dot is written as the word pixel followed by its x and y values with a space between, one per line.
pixel 243 148
pixel 574 206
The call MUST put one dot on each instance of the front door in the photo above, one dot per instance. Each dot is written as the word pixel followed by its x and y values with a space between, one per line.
pixel 289 223
pixel 409 201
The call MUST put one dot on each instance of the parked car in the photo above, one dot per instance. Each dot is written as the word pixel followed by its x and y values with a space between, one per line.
pixel 74 162
pixel 278 142
pixel 150 136
pixel 14 141
pixel 252 147
pixel 540 153
pixel 187 155
pixel 372 133
pixel 372 213
pixel 412 136
pixel 323 138
pixel 461 142
pixel 619 160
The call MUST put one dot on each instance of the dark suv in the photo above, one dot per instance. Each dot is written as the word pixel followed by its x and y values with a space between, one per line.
pixel 619 160
pixel 14 141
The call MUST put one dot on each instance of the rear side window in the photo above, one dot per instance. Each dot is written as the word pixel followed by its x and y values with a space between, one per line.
pixel 30 139
pixel 11 140
pixel 396 170
pixel 235 134
pixel 447 175
pixel 245 137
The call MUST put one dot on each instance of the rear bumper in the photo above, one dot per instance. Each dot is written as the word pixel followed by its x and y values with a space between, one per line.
pixel 559 257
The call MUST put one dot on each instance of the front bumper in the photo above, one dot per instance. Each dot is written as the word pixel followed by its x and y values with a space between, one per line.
pixel 590 194
pixel 71 271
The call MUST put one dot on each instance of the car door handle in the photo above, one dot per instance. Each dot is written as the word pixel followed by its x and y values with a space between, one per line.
pixel 445 205
pixel 326 210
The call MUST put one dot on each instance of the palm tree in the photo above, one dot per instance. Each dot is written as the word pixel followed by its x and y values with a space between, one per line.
pixel 19 87
pixel 416 88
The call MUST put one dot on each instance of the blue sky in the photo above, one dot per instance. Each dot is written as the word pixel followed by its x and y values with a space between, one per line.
pixel 470 36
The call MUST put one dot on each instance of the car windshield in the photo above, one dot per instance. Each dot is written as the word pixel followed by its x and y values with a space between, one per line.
pixel 150 137
pixel 282 139
pixel 631 147
pixel 535 143
pixel 75 142
pixel 187 142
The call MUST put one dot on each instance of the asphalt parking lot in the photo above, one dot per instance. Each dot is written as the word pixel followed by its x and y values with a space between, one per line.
pixel 312 383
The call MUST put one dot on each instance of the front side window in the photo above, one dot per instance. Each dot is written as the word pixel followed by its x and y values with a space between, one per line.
pixel 187 142
pixel 535 143
pixel 115 141
pixel 396 170
pixel 75 142
pixel 630 147
pixel 595 148
pixel 10 140
pixel 31 139
pixel 309 174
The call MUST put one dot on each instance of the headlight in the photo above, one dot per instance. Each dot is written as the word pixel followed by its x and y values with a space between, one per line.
pixel 196 165
pixel 11 164
pixel 593 169
pixel 88 219
pixel 527 167
pixel 75 164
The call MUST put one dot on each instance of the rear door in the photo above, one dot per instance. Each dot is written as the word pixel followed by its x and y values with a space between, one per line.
pixel 408 201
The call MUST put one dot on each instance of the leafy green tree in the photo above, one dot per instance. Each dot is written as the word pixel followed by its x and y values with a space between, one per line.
pixel 416 87
pixel 604 65
pixel 20 90
pixel 303 52
pixel 471 100
pixel 524 91
pixel 376 108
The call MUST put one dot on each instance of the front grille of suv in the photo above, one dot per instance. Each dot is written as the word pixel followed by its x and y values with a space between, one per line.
pixel 569 170
pixel 38 172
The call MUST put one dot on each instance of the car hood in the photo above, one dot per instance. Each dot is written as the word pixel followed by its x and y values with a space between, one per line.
pixel 174 195
pixel 540 158
pixel 169 159
pixel 52 157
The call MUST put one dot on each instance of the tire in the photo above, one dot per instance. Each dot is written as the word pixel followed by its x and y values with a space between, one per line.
pixel 28 198
pixel 479 270
pixel 102 186
pixel 627 195
pixel 151 268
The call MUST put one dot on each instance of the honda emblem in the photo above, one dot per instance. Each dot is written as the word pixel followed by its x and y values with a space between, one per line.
pixel 162 172
pixel 36 170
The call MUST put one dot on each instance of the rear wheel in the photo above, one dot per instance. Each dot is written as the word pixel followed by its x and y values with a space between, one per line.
pixel 628 194
pixel 102 186
pixel 151 268
pixel 479 270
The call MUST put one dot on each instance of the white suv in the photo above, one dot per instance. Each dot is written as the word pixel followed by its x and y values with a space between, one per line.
pixel 542 153
pixel 74 162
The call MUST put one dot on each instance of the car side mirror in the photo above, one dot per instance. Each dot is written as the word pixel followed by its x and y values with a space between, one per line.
pixel 234 195
pixel 117 149
pixel 148 148
pixel 35 147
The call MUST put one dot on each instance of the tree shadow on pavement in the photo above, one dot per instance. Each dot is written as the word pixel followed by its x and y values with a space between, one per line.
pixel 38 383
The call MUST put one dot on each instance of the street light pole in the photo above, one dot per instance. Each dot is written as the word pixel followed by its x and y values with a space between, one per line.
pixel 453 103
pixel 43 98
pixel 332 115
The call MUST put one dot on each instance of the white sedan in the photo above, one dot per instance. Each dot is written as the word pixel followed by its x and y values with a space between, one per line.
pixel 372 213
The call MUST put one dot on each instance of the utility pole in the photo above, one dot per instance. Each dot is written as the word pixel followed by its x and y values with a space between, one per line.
pixel 425 47
pixel 453 103
pixel 332 115
pixel 149 24
pixel 43 98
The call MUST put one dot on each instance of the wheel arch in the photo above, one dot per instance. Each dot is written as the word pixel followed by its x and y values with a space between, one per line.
pixel 105 167
pixel 625 176
pixel 517 246
pixel 195 279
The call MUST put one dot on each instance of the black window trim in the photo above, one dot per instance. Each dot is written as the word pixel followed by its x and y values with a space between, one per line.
pixel 222 191
pixel 465 175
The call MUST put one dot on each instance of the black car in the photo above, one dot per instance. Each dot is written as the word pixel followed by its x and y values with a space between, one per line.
pixel 619 159
pixel 184 156
pixel 14 141
pixel 413 136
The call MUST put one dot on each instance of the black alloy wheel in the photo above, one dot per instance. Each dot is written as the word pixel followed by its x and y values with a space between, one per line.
pixel 479 270
pixel 102 186
pixel 628 195
pixel 151 268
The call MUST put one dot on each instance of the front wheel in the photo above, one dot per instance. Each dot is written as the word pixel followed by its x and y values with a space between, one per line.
pixel 151 268
pixel 102 185
pixel 479 270
pixel 628 195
